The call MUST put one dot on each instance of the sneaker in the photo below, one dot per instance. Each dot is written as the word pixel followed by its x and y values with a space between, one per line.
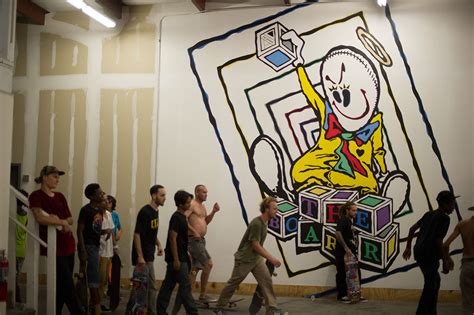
pixel 344 299
pixel 20 306
pixel 279 311
pixel 207 298
pixel 104 308
pixel 218 311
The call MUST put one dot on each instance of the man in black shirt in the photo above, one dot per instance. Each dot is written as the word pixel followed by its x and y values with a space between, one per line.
pixel 176 256
pixel 145 239
pixel 89 229
pixel 428 249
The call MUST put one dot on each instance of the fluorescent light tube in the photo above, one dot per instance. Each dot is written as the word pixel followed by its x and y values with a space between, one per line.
pixel 99 17
pixel 93 13
pixel 79 4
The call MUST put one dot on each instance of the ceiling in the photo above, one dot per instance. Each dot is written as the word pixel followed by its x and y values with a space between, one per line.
pixel 33 11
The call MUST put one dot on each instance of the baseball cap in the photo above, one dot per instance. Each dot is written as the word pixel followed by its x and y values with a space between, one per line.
pixel 446 196
pixel 47 170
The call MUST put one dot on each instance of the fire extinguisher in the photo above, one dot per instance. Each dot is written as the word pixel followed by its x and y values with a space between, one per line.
pixel 3 276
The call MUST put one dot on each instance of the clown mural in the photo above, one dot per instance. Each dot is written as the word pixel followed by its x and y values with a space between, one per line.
pixel 349 152
pixel 347 161
pixel 316 113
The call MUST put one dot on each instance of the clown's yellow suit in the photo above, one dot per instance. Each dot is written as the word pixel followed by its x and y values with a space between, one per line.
pixel 339 159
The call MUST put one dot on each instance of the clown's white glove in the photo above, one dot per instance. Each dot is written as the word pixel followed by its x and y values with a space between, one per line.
pixel 298 42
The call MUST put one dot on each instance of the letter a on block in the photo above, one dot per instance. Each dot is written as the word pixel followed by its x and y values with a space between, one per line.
pixel 311 236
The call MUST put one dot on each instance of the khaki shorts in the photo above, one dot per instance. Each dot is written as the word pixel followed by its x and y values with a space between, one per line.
pixel 198 251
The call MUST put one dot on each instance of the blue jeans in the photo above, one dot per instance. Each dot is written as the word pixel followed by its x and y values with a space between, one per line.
pixel 429 296
pixel 171 278
pixel 93 260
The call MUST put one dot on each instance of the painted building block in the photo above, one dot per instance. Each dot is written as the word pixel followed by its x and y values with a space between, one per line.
pixel 377 253
pixel 285 225
pixel 374 214
pixel 271 49
pixel 328 247
pixel 331 205
pixel 310 234
pixel 311 202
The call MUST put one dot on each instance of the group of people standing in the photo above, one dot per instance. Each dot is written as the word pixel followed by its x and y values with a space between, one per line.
pixel 98 230
pixel 185 252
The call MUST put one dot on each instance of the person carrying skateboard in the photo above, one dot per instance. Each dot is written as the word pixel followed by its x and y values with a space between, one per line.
pixel 145 239
pixel 428 250
pixel 89 230
pixel 176 257
pixel 50 208
pixel 249 258
pixel 464 228
pixel 346 245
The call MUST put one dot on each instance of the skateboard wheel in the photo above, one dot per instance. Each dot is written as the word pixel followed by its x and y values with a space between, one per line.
pixel 313 298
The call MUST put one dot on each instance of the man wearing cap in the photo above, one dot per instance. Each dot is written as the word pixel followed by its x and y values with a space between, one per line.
pixel 50 208
pixel 432 227
pixel 464 228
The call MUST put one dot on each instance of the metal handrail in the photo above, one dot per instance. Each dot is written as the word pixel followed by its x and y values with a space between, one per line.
pixel 21 225
pixel 33 267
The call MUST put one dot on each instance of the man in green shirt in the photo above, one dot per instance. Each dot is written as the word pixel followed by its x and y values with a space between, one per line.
pixel 249 258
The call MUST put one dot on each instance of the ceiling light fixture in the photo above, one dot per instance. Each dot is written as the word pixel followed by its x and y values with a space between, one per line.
pixel 382 3
pixel 93 13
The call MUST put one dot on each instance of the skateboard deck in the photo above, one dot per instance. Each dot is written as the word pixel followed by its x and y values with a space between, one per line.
pixel 138 301
pixel 82 289
pixel 257 299
pixel 352 278
pixel 115 282
pixel 207 304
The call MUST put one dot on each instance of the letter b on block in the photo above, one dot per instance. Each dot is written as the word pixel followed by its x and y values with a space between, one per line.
pixel 285 225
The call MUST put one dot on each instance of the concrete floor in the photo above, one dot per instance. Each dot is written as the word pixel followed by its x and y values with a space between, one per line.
pixel 292 305
pixel 328 305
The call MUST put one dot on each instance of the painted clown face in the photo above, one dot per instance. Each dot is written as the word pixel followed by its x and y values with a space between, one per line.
pixel 351 85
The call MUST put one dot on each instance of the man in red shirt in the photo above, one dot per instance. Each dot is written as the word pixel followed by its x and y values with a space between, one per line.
pixel 50 208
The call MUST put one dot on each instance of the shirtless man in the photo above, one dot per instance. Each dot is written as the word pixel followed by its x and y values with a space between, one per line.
pixel 466 229
pixel 198 219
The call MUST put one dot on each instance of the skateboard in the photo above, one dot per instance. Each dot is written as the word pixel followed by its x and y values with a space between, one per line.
pixel 257 299
pixel 115 282
pixel 352 278
pixel 207 304
pixel 82 289
pixel 138 301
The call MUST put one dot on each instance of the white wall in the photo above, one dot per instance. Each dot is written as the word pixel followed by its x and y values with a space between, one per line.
pixel 437 39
